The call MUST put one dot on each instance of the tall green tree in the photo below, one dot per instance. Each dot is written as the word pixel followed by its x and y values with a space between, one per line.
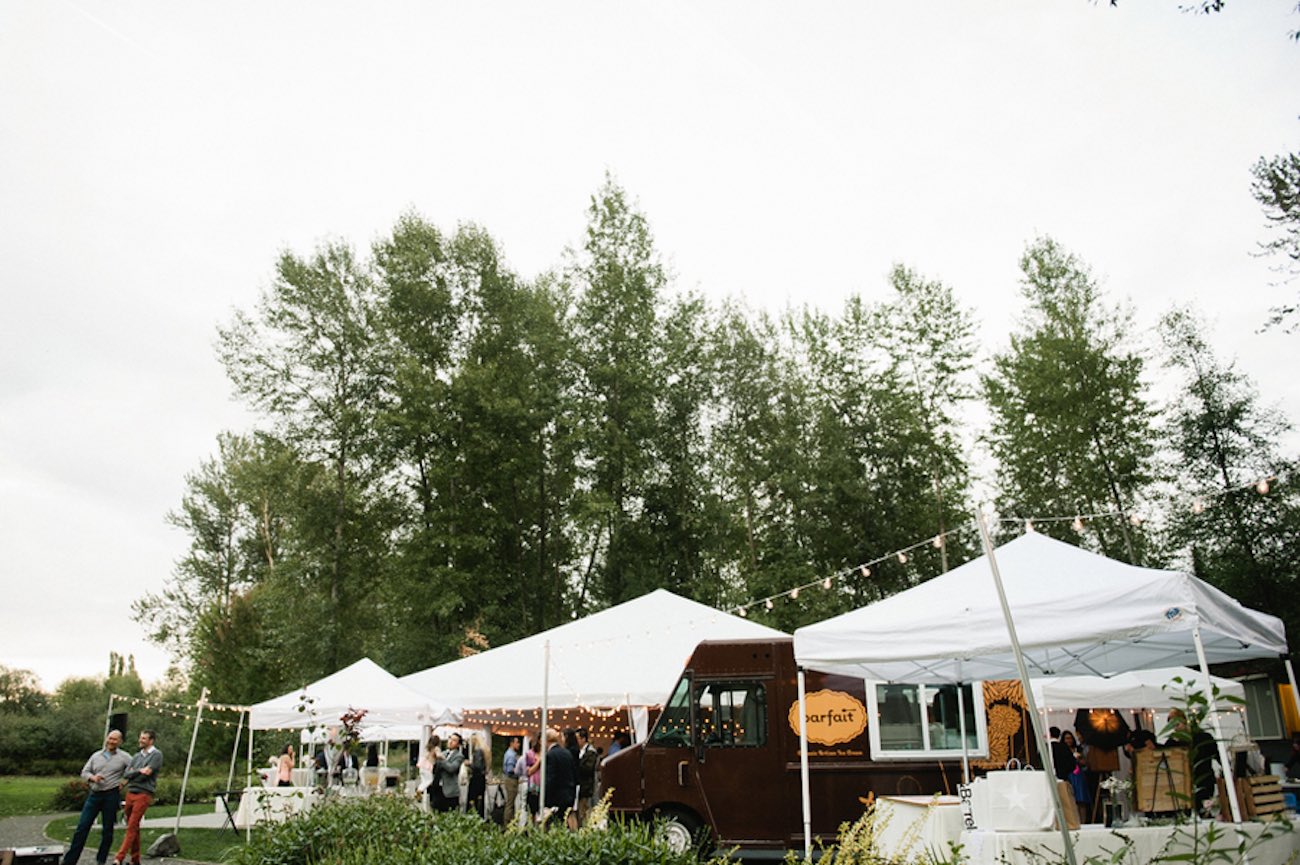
pixel 618 281
pixel 1071 427
pixel 1276 187
pixel 309 360
pixel 1243 538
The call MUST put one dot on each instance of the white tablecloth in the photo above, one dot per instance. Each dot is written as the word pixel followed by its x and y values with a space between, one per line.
pixel 910 826
pixel 1033 848
pixel 273 804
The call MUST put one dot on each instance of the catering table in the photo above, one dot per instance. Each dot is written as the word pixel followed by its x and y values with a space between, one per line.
pixel 1146 843
pixel 273 804
pixel 909 826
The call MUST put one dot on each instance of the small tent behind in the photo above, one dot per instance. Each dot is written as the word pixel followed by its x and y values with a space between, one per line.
pixel 362 685
pixel 1139 689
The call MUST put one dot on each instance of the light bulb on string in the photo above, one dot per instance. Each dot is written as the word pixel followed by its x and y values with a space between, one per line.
pixel 1135 519
pixel 938 542
pixel 742 612
pixel 902 558
pixel 1029 525
pixel 826 583
pixel 1262 487
pixel 768 603
pixel 1077 525
pixel 794 594
pixel 866 572
pixel 1198 506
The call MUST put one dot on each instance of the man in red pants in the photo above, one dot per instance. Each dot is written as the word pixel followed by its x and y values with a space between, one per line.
pixel 141 781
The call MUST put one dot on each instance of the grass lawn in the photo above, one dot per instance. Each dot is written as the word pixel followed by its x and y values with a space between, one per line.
pixel 200 845
pixel 25 794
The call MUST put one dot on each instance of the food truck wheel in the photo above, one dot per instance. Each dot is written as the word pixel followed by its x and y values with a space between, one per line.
pixel 681 830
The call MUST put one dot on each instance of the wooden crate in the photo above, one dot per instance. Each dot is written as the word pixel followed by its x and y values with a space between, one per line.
pixel 1260 796
pixel 1162 780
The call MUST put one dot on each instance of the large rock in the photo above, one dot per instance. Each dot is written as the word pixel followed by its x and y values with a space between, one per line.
pixel 166 845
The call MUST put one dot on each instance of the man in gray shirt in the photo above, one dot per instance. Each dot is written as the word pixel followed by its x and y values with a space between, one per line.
pixel 103 772
pixel 141 781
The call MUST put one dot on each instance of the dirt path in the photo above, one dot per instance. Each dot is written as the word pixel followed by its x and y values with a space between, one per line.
pixel 30 832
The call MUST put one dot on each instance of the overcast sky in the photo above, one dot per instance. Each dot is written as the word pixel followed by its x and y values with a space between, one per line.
pixel 156 156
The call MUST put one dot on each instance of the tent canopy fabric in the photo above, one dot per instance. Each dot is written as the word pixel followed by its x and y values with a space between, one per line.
pixel 1076 613
pixel 363 685
pixel 632 654
pixel 1140 689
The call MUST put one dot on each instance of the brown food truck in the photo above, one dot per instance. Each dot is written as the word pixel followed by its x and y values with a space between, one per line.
pixel 721 765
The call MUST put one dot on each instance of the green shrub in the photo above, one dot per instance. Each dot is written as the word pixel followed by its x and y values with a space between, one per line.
pixel 70 797
pixel 388 830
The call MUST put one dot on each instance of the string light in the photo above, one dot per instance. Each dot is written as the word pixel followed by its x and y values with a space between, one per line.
pixel 826 583
pixel 794 593
pixel 902 558
pixel 1077 525
pixel 937 542
pixel 866 572
pixel 768 603
pixel 1262 487
pixel 1198 506
pixel 1029 525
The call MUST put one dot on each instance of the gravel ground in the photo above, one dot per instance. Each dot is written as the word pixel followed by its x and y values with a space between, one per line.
pixel 30 832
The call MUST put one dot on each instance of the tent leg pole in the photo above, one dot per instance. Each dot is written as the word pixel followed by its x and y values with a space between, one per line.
pixel 248 783
pixel 1044 752
pixel 546 706
pixel 1290 677
pixel 234 752
pixel 1228 780
pixel 803 768
pixel 189 758
pixel 961 726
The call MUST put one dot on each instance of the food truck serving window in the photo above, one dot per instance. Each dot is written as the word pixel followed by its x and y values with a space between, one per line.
pixel 732 714
pixel 674 726
pixel 922 720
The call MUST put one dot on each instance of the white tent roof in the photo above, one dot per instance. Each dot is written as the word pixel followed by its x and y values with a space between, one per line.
pixel 1141 689
pixel 363 685
pixel 631 653
pixel 1076 613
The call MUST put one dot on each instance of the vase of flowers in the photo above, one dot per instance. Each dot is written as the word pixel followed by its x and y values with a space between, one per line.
pixel 1118 790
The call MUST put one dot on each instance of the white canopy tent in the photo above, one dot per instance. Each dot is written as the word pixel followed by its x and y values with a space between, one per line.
pixel 1139 689
pixel 362 685
pixel 1077 613
pixel 628 655
pixel 1074 613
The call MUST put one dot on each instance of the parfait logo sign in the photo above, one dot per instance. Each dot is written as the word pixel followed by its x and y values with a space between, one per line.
pixel 834 717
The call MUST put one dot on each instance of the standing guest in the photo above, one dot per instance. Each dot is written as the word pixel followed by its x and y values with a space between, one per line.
pixel 1062 755
pixel 533 770
pixel 343 763
pixel 284 772
pixel 324 762
pixel 614 745
pixel 141 777
pixel 588 757
pixel 561 779
pixel 432 751
pixel 446 776
pixel 103 772
pixel 478 760
pixel 1078 783
pixel 510 778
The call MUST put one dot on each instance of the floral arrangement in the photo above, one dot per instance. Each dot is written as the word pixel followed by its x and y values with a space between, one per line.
pixel 351 733
pixel 1117 786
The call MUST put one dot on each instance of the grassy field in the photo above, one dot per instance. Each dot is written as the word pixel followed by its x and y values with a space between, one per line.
pixel 200 845
pixel 23 794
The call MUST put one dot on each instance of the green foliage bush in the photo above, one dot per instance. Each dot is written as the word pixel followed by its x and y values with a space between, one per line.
pixel 387 830
pixel 70 797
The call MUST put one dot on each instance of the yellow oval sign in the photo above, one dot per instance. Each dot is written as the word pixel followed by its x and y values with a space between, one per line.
pixel 834 717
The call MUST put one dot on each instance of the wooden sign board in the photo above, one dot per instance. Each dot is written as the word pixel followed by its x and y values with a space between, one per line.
pixel 1162 780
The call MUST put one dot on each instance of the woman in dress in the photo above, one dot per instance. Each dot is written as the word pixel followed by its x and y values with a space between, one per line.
pixel 284 769
pixel 432 751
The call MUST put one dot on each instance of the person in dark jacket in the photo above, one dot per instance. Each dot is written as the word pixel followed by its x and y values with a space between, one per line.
pixel 561 778
pixel 588 759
